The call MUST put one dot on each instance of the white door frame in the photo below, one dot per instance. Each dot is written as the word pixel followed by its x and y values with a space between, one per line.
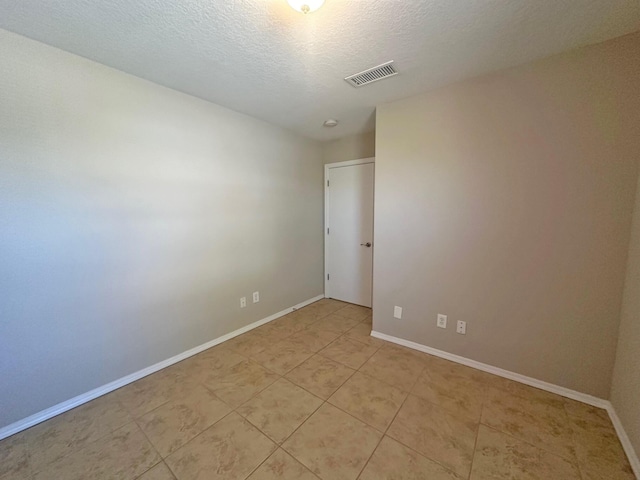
pixel 327 167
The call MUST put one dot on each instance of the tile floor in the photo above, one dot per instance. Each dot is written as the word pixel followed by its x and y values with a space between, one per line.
pixel 313 395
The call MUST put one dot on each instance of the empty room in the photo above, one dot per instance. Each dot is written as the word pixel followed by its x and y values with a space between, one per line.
pixel 319 240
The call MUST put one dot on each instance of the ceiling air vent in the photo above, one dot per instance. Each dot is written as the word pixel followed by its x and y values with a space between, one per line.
pixel 372 75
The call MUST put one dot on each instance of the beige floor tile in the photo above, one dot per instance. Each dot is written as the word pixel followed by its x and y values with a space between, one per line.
pixel 15 475
pixel 502 456
pixel 144 395
pixel 249 343
pixel 335 323
pixel 285 326
pixel 210 363
pixel 349 352
pixel 187 367
pixel 185 414
pixel 524 391
pixel 333 444
pixel 355 312
pixel 362 333
pixel 598 450
pixel 279 409
pixel 587 416
pixel 282 466
pixel 441 369
pixel 320 376
pixel 15 460
pixel 541 424
pixel 313 339
pixel 159 472
pixel 282 357
pixel 314 312
pixel 239 383
pixel 460 395
pixel 327 306
pixel 173 424
pixel 395 366
pixel 393 461
pixel 265 330
pixel 307 316
pixel 211 371
pixel 435 433
pixel 74 430
pixel 178 383
pixel 410 353
pixel 278 329
pixel 230 449
pixel 123 454
pixel 369 400
pixel 23 475
pixel 337 304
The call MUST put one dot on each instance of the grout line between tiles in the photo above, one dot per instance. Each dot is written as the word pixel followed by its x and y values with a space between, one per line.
pixel 267 457
pixel 133 419
pixel 573 439
pixel 344 334
pixel 278 376
pixel 200 433
pixel 407 446
pixel 149 442
pixel 384 434
pixel 542 447
pixel 475 446
pixel 521 440
pixel 35 471
pixel 152 467
pixel 324 401
pixel 448 469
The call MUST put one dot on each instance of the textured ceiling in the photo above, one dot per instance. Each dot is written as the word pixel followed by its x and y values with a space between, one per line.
pixel 262 58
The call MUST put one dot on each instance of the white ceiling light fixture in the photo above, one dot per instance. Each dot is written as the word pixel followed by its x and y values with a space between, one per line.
pixel 330 123
pixel 305 6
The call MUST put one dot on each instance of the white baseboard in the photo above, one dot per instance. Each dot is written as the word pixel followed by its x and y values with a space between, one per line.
pixel 624 440
pixel 533 382
pixel 121 382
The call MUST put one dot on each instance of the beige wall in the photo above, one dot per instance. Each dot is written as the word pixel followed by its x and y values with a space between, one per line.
pixel 506 202
pixel 133 218
pixel 625 392
pixel 350 148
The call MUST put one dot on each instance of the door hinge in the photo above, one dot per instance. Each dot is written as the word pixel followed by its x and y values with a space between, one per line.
pixel 327 231
pixel 328 276
pixel 327 183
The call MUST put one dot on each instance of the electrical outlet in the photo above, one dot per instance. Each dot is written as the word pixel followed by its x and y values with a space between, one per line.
pixel 243 302
pixel 256 297
pixel 442 321
pixel 461 327
pixel 397 312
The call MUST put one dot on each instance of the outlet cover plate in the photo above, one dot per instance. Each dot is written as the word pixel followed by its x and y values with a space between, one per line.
pixel 397 312
pixel 461 327
pixel 442 321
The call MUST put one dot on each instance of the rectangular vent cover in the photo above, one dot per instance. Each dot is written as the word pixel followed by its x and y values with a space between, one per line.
pixel 372 75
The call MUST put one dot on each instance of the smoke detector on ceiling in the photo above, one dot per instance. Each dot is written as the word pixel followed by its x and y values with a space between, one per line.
pixel 330 123
pixel 371 75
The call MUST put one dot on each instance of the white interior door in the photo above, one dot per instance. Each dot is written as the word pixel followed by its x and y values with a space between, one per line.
pixel 349 233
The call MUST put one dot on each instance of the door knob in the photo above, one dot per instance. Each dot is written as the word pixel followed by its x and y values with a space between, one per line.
pixel 368 244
